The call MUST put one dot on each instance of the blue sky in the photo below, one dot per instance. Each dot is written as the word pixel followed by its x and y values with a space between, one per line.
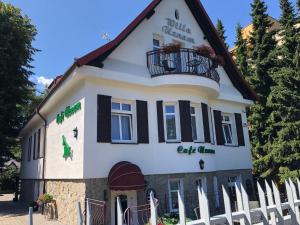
pixel 71 28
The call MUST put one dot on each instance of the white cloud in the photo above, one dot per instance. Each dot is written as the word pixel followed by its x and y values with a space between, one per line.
pixel 44 81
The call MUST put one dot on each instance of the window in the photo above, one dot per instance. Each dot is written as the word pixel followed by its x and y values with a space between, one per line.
pixel 156 46
pixel 170 122
pixel 29 148
pixel 175 185
pixel 211 128
pixel 176 14
pixel 121 122
pixel 194 123
pixel 231 189
pixel 227 127
pixel 39 149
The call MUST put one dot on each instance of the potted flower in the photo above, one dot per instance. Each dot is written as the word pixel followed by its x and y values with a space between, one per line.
pixel 206 51
pixel 210 53
pixel 218 60
pixel 48 205
pixel 171 48
pixel 45 198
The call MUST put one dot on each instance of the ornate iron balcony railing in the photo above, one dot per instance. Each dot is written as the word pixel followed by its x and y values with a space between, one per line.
pixel 183 61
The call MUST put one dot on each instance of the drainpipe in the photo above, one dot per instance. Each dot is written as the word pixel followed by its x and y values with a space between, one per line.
pixel 44 148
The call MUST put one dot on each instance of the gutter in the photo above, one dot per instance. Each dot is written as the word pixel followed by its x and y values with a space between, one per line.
pixel 44 148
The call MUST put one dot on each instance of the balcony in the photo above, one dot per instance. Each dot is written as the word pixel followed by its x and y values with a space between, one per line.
pixel 182 62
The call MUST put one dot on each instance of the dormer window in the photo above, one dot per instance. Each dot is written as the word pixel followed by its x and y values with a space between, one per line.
pixel 176 14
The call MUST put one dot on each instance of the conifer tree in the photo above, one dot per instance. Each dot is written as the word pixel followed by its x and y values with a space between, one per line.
pixel 284 102
pixel 261 48
pixel 241 56
pixel 288 33
pixel 221 30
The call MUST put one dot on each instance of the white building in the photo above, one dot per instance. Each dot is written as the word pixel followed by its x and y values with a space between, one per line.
pixel 137 118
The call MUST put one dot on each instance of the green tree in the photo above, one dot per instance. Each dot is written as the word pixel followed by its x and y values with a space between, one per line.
pixel 241 52
pixel 284 101
pixel 221 30
pixel 261 63
pixel 16 36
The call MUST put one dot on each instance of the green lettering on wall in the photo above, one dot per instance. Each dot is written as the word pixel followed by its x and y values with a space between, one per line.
pixel 69 111
pixel 191 150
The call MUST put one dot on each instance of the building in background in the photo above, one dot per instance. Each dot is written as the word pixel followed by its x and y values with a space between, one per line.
pixel 149 111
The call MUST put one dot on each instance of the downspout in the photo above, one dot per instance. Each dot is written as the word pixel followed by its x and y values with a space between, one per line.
pixel 44 148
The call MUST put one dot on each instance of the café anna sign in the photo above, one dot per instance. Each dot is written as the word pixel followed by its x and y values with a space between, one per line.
pixel 192 150
pixel 68 112
pixel 178 30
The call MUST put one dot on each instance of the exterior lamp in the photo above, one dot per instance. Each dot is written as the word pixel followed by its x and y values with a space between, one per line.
pixel 201 164
pixel 75 132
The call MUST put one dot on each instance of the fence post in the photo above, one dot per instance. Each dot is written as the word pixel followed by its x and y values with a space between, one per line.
pixel 203 205
pixel 278 204
pixel 88 212
pixel 263 204
pixel 295 198
pixel 153 214
pixel 119 212
pixel 181 210
pixel 239 200
pixel 246 205
pixel 271 202
pixel 227 205
pixel 30 216
pixel 79 214
pixel 291 202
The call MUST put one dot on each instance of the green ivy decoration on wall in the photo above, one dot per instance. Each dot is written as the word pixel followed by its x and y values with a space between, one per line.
pixel 67 148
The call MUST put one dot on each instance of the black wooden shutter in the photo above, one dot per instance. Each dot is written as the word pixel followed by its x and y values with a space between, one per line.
pixel 104 119
pixel 142 121
pixel 218 127
pixel 34 146
pixel 205 122
pixel 239 129
pixel 160 121
pixel 185 121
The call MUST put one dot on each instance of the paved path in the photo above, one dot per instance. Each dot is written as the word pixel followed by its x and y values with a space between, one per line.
pixel 15 213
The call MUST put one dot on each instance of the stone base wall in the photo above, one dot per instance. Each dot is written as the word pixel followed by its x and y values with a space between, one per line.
pixel 66 194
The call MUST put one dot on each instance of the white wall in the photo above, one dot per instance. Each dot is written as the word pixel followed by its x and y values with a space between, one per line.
pixel 155 158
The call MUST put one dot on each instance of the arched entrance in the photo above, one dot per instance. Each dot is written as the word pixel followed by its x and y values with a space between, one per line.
pixel 124 180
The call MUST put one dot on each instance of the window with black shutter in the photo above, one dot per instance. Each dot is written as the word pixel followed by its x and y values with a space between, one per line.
pixel 160 121
pixel 205 118
pixel 218 127
pixel 239 129
pixel 104 119
pixel 142 121
pixel 185 121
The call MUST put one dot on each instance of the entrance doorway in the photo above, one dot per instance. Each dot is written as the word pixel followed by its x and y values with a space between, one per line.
pixel 127 199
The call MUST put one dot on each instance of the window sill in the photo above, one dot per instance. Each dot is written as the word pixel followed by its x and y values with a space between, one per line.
pixel 123 143
pixel 173 142
pixel 227 145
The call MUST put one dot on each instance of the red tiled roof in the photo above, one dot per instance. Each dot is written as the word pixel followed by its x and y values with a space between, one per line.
pixel 97 56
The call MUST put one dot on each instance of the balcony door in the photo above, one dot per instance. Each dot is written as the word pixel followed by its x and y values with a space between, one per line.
pixel 177 58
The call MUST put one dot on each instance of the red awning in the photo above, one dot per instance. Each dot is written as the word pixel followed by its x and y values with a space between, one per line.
pixel 125 176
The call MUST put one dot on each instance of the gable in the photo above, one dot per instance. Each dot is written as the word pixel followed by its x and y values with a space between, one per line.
pixel 203 30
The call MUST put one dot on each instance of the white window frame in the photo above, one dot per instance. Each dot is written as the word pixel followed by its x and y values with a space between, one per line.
pixel 211 123
pixel 177 122
pixel 231 123
pixel 180 180
pixel 130 114
pixel 199 122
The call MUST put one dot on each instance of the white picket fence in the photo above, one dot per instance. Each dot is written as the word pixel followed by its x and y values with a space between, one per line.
pixel 269 213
